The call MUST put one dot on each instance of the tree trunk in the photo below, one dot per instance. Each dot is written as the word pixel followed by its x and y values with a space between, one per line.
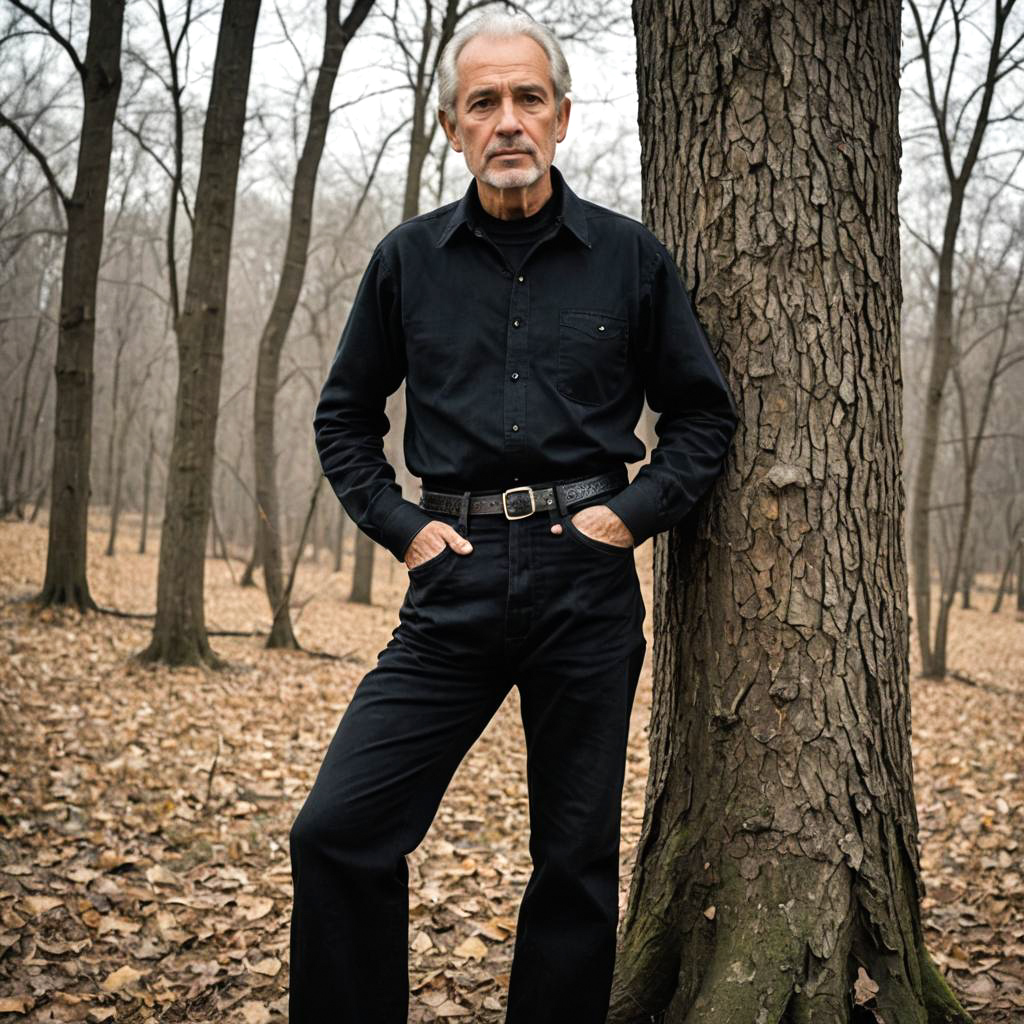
pixel 115 504
pixel 339 541
pixel 362 570
pixel 14 454
pixel 65 582
pixel 179 633
pixel 1004 580
pixel 771 168
pixel 966 584
pixel 276 329
pixel 147 483
pixel 933 658
pixel 249 575
pixel 1020 581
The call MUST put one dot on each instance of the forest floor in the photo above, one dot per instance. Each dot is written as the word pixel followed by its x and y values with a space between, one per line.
pixel 144 813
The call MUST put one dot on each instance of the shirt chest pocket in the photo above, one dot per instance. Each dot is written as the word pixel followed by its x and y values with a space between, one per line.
pixel 591 355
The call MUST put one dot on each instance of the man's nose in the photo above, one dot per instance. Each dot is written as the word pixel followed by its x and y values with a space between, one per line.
pixel 508 123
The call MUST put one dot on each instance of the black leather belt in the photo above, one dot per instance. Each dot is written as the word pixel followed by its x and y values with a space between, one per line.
pixel 520 502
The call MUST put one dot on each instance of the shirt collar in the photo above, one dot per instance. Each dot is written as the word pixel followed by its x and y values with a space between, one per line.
pixel 568 207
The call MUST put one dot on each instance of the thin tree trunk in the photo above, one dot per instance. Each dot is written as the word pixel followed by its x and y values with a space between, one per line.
pixel 147 484
pixel 115 506
pixel 66 582
pixel 422 131
pixel 218 545
pixel 362 570
pixel 771 169
pixel 275 331
pixel 1004 580
pixel 933 657
pixel 249 575
pixel 17 442
pixel 339 542
pixel 179 632
pixel 966 584
pixel 1020 581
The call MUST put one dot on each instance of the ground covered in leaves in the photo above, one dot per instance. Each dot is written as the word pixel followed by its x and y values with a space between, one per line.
pixel 144 813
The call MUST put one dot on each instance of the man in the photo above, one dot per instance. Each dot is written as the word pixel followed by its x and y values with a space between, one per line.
pixel 527 324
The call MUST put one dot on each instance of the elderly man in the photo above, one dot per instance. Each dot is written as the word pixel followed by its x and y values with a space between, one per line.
pixel 528 325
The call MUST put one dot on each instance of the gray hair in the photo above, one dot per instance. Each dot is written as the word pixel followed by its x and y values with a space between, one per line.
pixel 503 25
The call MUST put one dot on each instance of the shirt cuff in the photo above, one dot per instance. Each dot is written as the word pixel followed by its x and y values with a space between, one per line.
pixel 637 508
pixel 403 522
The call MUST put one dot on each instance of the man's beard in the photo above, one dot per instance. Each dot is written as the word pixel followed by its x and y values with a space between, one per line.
pixel 514 177
pixel 518 177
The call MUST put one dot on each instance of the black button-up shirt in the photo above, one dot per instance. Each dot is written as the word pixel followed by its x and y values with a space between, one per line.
pixel 522 376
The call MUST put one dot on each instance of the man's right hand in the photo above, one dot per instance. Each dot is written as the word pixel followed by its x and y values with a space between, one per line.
pixel 431 541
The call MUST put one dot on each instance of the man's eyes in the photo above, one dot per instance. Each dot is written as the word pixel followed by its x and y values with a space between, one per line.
pixel 531 98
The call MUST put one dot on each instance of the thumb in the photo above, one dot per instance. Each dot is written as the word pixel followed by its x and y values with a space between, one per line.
pixel 457 541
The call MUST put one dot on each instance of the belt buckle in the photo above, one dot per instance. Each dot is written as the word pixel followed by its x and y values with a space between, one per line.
pixel 513 490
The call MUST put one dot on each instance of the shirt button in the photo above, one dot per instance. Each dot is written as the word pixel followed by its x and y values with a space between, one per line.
pixel 520 279
pixel 515 376
pixel 600 327
pixel 515 426
pixel 515 323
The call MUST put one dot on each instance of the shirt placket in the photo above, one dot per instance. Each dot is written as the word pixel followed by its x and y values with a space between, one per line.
pixel 517 370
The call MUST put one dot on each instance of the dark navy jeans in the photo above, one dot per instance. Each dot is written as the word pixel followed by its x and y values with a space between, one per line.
pixel 558 615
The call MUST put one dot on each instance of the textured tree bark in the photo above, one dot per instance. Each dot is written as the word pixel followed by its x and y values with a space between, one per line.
pixel 779 852
pixel 65 582
pixel 275 331
pixel 179 633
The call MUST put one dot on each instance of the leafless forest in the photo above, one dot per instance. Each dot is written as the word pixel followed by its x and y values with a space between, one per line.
pixel 189 194
pixel 379 159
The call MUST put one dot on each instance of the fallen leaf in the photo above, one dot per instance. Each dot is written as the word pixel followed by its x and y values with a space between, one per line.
pixel 36 905
pixel 471 947
pixel 16 1004
pixel 121 978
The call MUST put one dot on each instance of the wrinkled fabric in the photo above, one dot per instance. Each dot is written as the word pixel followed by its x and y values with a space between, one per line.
pixel 514 376
pixel 560 616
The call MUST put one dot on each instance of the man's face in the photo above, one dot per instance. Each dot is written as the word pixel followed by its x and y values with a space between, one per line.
pixel 507 125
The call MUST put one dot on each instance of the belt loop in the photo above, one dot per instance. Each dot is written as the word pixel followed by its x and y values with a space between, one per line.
pixel 560 499
pixel 463 526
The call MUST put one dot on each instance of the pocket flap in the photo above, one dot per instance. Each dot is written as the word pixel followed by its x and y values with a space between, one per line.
pixel 593 323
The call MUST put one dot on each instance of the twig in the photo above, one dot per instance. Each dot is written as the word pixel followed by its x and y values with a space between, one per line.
pixel 213 769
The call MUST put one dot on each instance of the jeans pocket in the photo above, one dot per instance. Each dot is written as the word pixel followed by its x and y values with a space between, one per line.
pixel 590 542
pixel 417 572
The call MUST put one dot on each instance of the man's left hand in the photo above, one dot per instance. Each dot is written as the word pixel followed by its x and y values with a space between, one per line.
pixel 599 522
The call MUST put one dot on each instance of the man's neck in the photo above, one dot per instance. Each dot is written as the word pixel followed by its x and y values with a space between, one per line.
pixel 515 203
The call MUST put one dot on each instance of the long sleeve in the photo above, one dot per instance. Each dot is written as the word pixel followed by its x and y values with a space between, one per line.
pixel 697 414
pixel 350 422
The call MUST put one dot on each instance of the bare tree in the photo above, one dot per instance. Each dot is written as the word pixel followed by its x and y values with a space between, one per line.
pixel 179 632
pixel 65 582
pixel 940 43
pixel 778 863
pixel 16 476
pixel 336 38
pixel 1003 302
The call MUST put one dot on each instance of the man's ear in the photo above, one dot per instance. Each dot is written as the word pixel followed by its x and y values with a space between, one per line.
pixel 563 117
pixel 449 130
